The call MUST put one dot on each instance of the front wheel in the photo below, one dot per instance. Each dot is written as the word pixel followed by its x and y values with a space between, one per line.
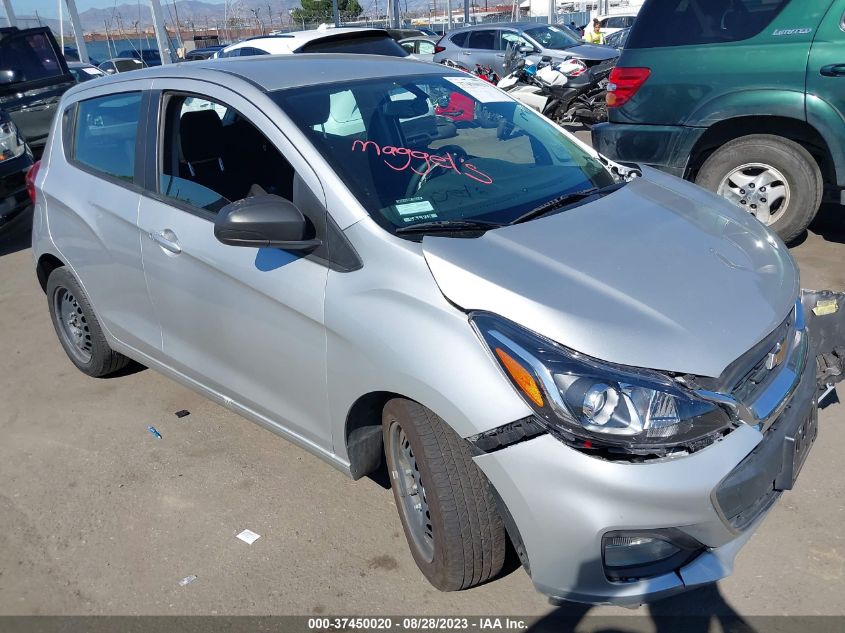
pixel 444 500
pixel 773 178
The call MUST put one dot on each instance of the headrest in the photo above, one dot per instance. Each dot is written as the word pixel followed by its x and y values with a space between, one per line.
pixel 200 136
pixel 312 108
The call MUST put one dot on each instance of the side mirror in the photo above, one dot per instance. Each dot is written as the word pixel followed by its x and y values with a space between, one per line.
pixel 265 220
pixel 527 50
pixel 9 76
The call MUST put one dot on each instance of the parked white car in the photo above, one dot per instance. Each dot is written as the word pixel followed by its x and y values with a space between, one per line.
pixel 321 40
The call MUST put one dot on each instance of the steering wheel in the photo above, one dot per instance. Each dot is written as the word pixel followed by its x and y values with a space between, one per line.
pixel 417 181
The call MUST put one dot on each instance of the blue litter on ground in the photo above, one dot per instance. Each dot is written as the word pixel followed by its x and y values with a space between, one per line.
pixel 155 433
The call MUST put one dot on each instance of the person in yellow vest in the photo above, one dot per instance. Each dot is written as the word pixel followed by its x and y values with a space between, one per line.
pixel 595 36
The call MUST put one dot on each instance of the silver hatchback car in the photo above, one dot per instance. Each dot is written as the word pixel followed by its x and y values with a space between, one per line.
pixel 383 260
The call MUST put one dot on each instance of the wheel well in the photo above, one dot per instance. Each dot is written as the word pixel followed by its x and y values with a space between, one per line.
pixel 364 444
pixel 793 129
pixel 46 264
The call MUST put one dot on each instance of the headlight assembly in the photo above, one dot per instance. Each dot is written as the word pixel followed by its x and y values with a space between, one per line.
pixel 11 143
pixel 590 401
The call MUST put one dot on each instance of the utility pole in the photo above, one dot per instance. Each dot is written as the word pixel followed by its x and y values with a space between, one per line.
pixel 10 13
pixel 161 34
pixel 78 34
pixel 551 11
pixel 466 12
pixel 449 12
pixel 336 13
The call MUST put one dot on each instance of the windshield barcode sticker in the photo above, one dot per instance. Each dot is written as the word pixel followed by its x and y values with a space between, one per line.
pixel 413 206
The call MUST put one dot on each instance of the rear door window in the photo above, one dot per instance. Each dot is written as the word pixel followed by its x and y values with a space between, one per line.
pixel 106 134
pixel 483 40
pixel 689 22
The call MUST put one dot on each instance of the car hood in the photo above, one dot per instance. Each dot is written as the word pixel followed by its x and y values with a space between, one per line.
pixel 659 274
pixel 584 51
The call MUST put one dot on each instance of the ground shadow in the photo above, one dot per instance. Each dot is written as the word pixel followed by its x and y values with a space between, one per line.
pixel 702 610
pixel 132 368
pixel 829 223
pixel 16 234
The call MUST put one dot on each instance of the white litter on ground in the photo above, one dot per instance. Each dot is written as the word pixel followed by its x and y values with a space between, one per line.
pixel 187 580
pixel 249 537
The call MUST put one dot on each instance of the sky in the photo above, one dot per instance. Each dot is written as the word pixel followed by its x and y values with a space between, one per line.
pixel 50 8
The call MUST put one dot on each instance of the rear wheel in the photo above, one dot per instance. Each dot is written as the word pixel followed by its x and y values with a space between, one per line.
pixel 77 327
pixel 773 178
pixel 444 500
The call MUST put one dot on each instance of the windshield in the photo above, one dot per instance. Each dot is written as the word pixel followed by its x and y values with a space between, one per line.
pixel 433 148
pixel 552 37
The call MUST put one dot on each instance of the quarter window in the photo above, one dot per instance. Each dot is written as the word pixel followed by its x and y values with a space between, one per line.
pixel 106 133
pixel 426 48
pixel 459 39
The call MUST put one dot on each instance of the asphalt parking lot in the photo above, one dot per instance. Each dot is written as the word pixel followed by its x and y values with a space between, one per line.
pixel 99 517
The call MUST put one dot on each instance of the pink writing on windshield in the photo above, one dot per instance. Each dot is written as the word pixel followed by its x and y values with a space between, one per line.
pixel 400 154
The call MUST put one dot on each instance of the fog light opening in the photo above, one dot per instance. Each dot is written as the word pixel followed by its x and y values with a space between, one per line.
pixel 631 556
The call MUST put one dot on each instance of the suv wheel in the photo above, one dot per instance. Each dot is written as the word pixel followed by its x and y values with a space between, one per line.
pixel 773 178
pixel 77 327
pixel 444 500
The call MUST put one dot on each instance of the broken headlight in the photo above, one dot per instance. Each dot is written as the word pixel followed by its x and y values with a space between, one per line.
pixel 584 399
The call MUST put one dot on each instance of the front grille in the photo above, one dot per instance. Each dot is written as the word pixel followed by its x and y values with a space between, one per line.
pixel 759 375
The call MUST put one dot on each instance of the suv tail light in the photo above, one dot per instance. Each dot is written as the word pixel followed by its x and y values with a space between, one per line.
pixel 30 180
pixel 437 47
pixel 623 84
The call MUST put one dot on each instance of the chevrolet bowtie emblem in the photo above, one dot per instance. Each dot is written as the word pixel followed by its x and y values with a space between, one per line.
pixel 776 356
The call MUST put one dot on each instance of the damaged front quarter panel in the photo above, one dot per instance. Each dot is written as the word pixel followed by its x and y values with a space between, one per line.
pixel 824 311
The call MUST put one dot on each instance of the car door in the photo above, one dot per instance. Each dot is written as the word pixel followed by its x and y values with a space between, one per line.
pixel 482 48
pixel 826 72
pixel 244 323
pixel 92 199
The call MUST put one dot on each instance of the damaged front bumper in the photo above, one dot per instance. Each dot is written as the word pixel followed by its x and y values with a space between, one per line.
pixel 560 504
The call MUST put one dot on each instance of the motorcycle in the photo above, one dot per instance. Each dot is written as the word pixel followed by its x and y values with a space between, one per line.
pixel 566 92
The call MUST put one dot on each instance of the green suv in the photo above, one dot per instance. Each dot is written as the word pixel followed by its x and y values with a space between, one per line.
pixel 743 97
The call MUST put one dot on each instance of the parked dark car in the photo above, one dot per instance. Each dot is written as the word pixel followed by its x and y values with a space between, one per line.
pixel 33 76
pixel 486 44
pixel 15 161
pixel 150 56
pixel 742 97
pixel 202 53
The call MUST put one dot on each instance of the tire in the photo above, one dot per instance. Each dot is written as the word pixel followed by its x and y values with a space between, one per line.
pixel 84 341
pixel 799 170
pixel 467 534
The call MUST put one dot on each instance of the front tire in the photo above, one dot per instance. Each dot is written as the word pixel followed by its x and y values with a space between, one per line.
pixel 773 178
pixel 77 326
pixel 444 500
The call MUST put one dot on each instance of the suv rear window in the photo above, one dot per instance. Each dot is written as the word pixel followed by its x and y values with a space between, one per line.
pixel 686 22
pixel 459 39
pixel 30 57
pixel 363 45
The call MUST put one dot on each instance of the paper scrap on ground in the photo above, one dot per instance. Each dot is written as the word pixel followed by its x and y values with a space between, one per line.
pixel 825 307
pixel 249 537
pixel 187 580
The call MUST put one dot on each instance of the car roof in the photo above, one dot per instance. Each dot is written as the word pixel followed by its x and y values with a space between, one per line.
pixel 287 42
pixel 277 72
pixel 521 26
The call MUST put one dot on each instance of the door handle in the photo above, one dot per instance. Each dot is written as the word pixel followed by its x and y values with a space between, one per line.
pixel 167 240
pixel 833 70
